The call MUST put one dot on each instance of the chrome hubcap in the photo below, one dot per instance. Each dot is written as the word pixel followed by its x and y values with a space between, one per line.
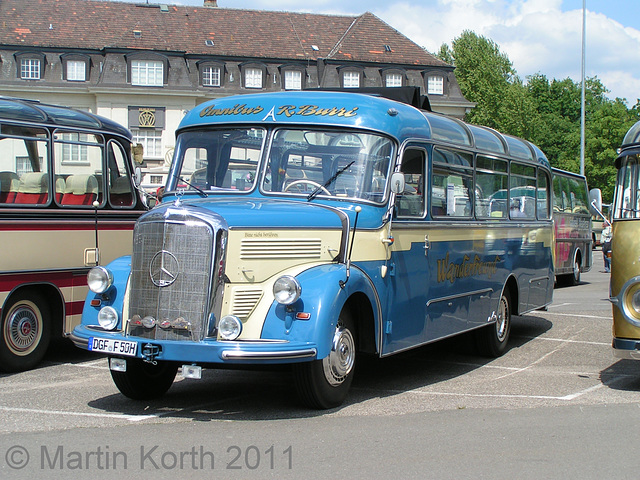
pixel 339 363
pixel 502 324
pixel 22 330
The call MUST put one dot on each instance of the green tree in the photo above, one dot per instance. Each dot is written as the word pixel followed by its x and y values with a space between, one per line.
pixel 546 112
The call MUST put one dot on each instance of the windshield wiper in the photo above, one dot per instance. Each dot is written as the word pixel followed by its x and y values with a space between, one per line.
pixel 197 189
pixel 313 194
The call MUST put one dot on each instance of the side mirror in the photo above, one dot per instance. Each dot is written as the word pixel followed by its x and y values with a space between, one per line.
pixel 595 202
pixel 137 176
pixel 397 182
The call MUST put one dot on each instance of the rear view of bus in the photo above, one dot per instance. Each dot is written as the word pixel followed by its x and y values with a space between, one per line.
pixel 68 202
pixel 625 246
pixel 572 226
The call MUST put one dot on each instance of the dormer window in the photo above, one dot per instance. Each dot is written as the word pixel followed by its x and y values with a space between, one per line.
pixel 293 80
pixel 253 75
pixel 147 69
pixel 75 67
pixel 293 77
pixel 146 72
pixel 30 69
pixel 253 78
pixel 30 65
pixel 351 76
pixel 435 85
pixel 211 76
pixel 351 79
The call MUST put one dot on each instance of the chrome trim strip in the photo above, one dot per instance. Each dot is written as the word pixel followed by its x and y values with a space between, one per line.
pixel 459 295
pixel 283 355
pixel 537 279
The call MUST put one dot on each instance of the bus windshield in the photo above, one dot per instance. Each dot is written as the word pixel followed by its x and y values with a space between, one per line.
pixel 305 163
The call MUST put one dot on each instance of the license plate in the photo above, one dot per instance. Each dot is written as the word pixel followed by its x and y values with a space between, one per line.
pixel 116 347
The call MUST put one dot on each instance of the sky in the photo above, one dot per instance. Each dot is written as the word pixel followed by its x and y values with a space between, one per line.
pixel 538 36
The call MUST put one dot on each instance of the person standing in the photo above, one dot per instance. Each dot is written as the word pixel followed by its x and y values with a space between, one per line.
pixel 606 245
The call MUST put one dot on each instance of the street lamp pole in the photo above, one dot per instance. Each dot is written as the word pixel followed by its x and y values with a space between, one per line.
pixel 582 113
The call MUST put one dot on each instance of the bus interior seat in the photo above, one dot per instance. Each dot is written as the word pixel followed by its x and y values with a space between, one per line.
pixel 34 188
pixel 60 187
pixel 80 190
pixel 9 185
pixel 120 192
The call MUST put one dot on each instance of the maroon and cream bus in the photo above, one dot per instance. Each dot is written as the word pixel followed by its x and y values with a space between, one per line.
pixel 68 201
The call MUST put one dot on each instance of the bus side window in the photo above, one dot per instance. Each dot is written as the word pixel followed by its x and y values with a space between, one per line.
pixel 78 161
pixel 411 202
pixel 491 187
pixel 452 184
pixel 120 187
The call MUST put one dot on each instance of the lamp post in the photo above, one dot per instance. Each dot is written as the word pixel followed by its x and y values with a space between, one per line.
pixel 582 114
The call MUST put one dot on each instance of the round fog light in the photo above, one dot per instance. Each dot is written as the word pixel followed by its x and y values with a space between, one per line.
pixel 148 322
pixel 229 327
pixel 108 318
pixel 99 279
pixel 287 290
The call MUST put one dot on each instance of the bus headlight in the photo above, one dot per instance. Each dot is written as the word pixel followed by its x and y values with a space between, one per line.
pixel 287 290
pixel 108 318
pixel 99 279
pixel 229 327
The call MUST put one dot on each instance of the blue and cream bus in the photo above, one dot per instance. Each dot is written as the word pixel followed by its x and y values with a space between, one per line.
pixel 310 227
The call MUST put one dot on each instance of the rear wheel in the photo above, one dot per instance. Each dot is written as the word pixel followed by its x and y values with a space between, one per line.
pixel 492 340
pixel 26 331
pixel 143 380
pixel 325 383
pixel 574 278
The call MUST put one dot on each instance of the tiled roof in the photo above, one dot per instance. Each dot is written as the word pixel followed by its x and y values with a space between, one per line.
pixel 95 25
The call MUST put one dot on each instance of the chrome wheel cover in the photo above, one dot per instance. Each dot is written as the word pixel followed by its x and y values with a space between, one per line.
pixel 502 325
pixel 23 328
pixel 339 363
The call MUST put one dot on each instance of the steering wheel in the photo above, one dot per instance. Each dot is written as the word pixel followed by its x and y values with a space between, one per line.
pixel 307 182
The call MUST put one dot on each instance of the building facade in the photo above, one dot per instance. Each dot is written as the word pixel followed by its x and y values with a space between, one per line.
pixel 144 65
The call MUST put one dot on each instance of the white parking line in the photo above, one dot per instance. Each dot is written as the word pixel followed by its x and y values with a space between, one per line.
pixel 573 315
pixel 564 340
pixel 131 418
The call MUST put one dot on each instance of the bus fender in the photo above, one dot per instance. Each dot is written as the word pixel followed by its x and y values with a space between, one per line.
pixel 322 300
pixel 114 297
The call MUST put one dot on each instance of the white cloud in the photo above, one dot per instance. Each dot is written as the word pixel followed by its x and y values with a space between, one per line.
pixel 536 35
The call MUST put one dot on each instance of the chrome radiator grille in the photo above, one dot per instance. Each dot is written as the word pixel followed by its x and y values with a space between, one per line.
pixel 171 272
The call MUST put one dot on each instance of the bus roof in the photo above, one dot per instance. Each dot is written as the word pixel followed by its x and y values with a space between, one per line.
pixel 361 111
pixel 32 111
pixel 632 136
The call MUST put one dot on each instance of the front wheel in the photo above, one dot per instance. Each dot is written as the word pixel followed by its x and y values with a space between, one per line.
pixel 26 331
pixel 492 340
pixel 143 380
pixel 325 383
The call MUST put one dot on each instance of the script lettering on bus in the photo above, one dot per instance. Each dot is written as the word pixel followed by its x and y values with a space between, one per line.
pixel 308 110
pixel 467 268
pixel 211 111
pixel 286 110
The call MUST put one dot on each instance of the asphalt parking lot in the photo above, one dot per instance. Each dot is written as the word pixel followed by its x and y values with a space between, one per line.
pixel 560 366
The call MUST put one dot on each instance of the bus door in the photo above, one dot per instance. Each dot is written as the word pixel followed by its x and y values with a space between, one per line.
pixel 409 276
